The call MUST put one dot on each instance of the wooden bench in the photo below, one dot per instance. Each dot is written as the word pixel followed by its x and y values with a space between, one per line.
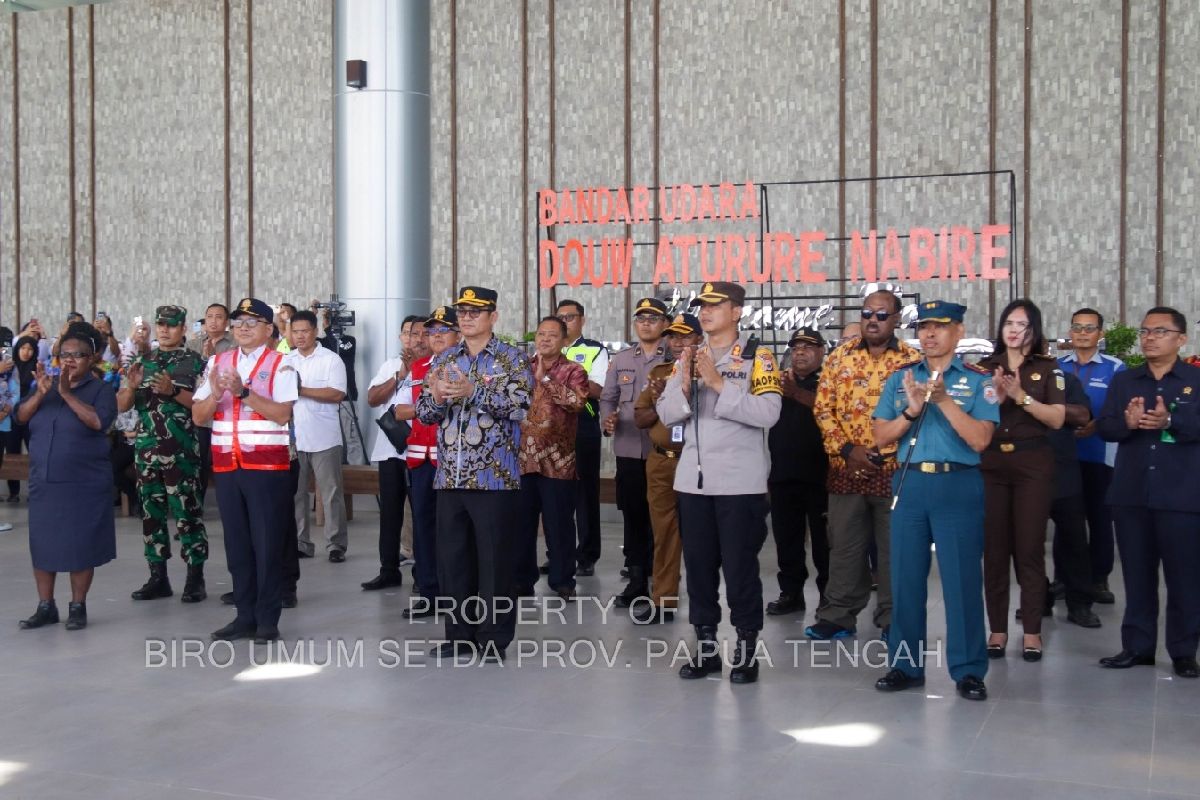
pixel 15 467
pixel 356 479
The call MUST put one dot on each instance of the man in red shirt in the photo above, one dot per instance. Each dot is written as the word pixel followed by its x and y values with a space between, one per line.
pixel 560 391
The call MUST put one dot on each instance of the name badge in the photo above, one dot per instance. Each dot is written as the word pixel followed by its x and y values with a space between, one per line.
pixel 676 434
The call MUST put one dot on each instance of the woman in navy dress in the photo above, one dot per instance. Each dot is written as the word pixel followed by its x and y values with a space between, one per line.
pixel 71 525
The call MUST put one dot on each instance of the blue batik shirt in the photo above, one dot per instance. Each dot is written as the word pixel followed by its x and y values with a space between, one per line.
pixel 479 437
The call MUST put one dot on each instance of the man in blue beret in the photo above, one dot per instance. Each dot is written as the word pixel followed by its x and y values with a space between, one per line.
pixel 941 501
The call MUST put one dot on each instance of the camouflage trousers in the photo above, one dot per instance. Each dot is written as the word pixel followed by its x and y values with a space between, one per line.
pixel 170 486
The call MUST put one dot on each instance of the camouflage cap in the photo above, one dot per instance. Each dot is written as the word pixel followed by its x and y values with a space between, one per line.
pixel 170 315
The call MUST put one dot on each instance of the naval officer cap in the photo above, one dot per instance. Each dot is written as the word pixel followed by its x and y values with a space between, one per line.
pixel 940 311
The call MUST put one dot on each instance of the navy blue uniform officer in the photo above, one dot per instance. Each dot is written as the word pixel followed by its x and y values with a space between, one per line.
pixel 941 501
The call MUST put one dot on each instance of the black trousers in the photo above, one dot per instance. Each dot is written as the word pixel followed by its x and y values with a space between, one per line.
pixel 1147 539
pixel 1096 479
pixel 1072 559
pixel 551 501
pixel 635 508
pixel 723 534
pixel 423 500
pixel 255 508
pixel 476 533
pixel 393 488
pixel 587 499
pixel 204 437
pixel 796 506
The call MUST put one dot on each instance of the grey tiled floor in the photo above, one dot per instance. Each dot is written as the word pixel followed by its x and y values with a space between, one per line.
pixel 81 715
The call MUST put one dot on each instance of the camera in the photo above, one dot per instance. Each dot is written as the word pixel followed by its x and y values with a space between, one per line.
pixel 340 317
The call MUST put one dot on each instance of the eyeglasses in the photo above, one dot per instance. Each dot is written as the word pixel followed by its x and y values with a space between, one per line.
pixel 438 331
pixel 882 316
pixel 472 313
pixel 646 319
pixel 1016 324
pixel 1078 328
pixel 569 317
pixel 1155 333
pixel 243 322
pixel 73 355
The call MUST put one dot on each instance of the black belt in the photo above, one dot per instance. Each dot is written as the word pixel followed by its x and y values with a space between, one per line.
pixel 933 467
pixel 1016 447
pixel 662 451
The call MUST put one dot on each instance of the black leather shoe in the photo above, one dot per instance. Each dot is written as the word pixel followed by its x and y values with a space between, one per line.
pixel 650 614
pixel 494 656
pixel 289 599
pixel 1186 667
pixel 898 680
pixel 418 611
pixel 1101 594
pixel 707 657
pixel 453 650
pixel 383 580
pixel 785 604
pixel 305 554
pixel 1083 616
pixel 1126 659
pixel 971 688
pixel 585 569
pixel 46 614
pixel 194 589
pixel 227 599
pixel 266 634
pixel 76 616
pixel 566 594
pixel 544 568
pixel 156 586
pixel 337 556
pixel 234 631
pixel 745 666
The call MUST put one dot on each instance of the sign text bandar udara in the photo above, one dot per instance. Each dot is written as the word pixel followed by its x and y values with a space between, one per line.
pixel 947 252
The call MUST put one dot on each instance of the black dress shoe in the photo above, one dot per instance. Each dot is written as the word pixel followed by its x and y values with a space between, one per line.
pixel 971 688
pixel 899 680
pixel 305 554
pixel 494 656
pixel 1083 616
pixel 544 568
pixel 650 614
pixel 418 611
pixel 566 594
pixel 46 614
pixel 337 556
pixel 234 631
pixel 585 569
pixel 451 650
pixel 785 604
pixel 289 599
pixel 266 634
pixel 1186 667
pixel 1126 659
pixel 1101 594
pixel 383 580
pixel 227 599
pixel 76 616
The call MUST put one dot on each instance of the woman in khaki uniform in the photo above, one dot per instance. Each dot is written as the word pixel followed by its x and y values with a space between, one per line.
pixel 1018 474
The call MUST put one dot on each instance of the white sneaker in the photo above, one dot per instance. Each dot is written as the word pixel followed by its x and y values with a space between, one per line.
pixel 5 526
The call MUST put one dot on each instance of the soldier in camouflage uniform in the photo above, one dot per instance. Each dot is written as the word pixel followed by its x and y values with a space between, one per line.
pixel 159 385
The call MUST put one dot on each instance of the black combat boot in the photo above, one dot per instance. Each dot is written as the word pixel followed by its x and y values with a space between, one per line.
pixel 638 587
pixel 157 586
pixel 76 616
pixel 745 665
pixel 46 614
pixel 707 657
pixel 193 589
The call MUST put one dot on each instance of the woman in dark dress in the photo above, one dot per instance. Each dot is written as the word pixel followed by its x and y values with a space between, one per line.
pixel 71 525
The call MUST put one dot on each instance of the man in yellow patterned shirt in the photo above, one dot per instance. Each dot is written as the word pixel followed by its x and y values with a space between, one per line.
pixel 860 477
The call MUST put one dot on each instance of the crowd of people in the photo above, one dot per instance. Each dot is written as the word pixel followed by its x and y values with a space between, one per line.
pixel 870 457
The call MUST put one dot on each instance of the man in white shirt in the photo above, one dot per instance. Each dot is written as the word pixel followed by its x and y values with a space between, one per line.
pixel 248 395
pixel 318 435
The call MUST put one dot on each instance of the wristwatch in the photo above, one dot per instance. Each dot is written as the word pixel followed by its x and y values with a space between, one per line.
pixel 242 395
pixel 1027 400
pixel 904 414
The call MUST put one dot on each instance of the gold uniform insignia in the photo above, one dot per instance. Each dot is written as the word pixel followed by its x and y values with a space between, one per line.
pixel 764 376
pixel 736 351
pixel 645 303
pixel 469 294
pixel 708 287
pixel 1037 376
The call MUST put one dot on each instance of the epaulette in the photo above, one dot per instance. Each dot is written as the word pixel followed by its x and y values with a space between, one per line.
pixel 977 368
pixel 908 364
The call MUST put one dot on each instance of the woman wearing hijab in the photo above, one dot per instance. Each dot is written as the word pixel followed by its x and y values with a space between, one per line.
pixel 71 525
pixel 25 356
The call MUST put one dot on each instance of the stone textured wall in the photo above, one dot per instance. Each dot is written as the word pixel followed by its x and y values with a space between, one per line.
pixel 204 129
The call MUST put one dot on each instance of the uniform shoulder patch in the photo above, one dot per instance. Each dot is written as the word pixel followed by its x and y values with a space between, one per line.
pixel 908 364
pixel 977 368
pixel 764 375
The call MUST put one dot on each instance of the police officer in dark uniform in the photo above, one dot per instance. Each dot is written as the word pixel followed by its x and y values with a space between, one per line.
pixel 727 395
pixel 941 501
pixel 1153 412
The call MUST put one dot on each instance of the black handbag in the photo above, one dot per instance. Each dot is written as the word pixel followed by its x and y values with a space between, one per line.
pixel 396 430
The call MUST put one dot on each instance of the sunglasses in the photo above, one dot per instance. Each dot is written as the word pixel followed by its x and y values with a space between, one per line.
pixel 882 316
pixel 472 313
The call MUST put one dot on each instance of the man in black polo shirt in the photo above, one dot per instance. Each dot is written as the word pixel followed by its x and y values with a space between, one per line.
pixel 797 480
pixel 1153 412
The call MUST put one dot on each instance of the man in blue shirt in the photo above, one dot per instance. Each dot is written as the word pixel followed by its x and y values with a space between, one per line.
pixel 477 393
pixel 1153 413
pixel 1095 371
pixel 941 500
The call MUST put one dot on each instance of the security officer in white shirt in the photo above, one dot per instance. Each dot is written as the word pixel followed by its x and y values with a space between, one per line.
pixel 318 435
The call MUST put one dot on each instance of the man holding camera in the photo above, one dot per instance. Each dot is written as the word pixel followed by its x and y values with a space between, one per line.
pixel 860 476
